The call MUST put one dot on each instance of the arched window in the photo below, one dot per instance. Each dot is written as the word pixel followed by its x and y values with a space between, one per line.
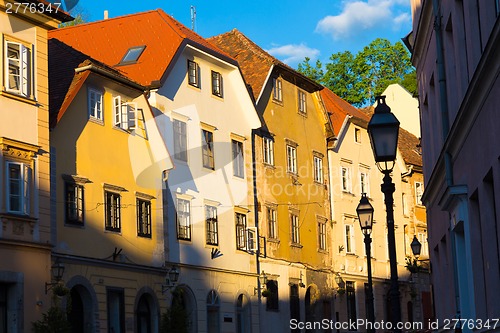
pixel 213 309
pixel 243 320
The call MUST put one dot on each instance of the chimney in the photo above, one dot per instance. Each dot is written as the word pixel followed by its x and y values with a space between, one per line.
pixel 106 14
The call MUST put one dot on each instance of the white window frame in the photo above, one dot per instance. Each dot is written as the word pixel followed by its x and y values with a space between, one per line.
pixel 238 158
pixel 422 238
pixel 112 215
pixel 217 85
pixel 76 204
pixel 302 102
pixel 349 239
pixel 419 192
pixel 207 148
pixel 193 74
pixel 241 231
pixel 24 184
pixel 183 215
pixel 95 104
pixel 124 114
pixel 291 159
pixel 180 140
pixel 294 228
pixel 345 180
pixel 272 222
pixel 364 183
pixel 23 63
pixel 318 169
pixel 211 225
pixel 322 235
pixel 268 150
pixel 277 90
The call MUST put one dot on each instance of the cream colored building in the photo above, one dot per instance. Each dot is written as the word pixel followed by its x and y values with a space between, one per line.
pixel 25 236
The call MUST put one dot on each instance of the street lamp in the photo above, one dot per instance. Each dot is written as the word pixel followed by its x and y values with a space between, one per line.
pixel 365 216
pixel 416 247
pixel 383 130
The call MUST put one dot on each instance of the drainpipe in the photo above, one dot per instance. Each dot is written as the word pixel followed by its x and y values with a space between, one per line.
pixel 256 217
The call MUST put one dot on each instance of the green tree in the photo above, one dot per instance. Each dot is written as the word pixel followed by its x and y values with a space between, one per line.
pixel 359 78
pixel 315 73
pixel 80 14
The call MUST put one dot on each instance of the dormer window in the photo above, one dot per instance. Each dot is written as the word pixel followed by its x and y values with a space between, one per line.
pixel 132 55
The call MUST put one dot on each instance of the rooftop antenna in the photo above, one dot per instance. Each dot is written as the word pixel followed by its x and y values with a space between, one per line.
pixel 193 18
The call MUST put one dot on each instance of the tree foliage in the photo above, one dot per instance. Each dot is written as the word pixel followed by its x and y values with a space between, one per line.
pixel 359 78
pixel 80 16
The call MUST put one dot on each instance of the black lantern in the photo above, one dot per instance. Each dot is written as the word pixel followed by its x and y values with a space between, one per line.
pixel 365 214
pixel 57 271
pixel 383 130
pixel 416 246
pixel 173 275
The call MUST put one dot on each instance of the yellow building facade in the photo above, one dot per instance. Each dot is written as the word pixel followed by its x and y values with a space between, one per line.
pixel 109 167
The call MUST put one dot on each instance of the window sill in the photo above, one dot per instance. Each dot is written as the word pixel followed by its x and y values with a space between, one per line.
pixel 322 251
pixel 275 101
pixel 296 245
pixel 75 224
pixel 303 114
pixel 269 166
pixel 19 217
pixel 19 98
pixel 220 98
pixel 273 240
pixel 96 121
pixel 144 236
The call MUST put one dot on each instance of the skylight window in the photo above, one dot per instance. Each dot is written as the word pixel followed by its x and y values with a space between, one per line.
pixel 132 55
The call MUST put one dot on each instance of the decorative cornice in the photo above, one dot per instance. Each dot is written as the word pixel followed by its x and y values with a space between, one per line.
pixel 18 149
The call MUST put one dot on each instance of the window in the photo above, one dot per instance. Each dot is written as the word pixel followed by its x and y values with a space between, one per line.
pixel 322 234
pixel 216 84
pixel 193 74
pixel 143 218
pixel 116 310
pixel 238 163
pixel 291 159
pixel 18 71
pixel 241 231
pixel 207 147
pixel 318 169
pixel 213 307
pixel 113 218
pixel 132 55
pixel 243 315
pixel 211 225
pixel 272 228
pixel 74 203
pixel 346 179
pixel 364 183
pixel 419 191
pixel 124 114
pixel 357 135
pixel 95 104
pixel 295 234
pixel 19 182
pixel 351 300
pixel 422 238
pixel 277 94
pixel 180 140
pixel 268 150
pixel 349 238
pixel 183 219
pixel 272 301
pixel 302 101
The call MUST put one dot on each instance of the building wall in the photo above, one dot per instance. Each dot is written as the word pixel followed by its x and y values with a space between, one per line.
pixel 25 238
pixel 357 157
pixel 286 262
pixel 99 156
pixel 229 118
pixel 460 168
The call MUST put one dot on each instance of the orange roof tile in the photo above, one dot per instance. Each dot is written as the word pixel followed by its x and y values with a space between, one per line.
pixel 108 40
pixel 339 109
pixel 254 62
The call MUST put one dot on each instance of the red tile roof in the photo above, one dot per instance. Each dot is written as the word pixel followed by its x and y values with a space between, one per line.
pixel 339 109
pixel 254 62
pixel 108 40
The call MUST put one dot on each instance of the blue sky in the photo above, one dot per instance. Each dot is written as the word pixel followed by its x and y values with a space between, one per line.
pixel 288 29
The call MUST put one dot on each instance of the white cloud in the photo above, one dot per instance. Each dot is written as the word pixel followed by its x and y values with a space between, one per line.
pixel 359 16
pixel 292 53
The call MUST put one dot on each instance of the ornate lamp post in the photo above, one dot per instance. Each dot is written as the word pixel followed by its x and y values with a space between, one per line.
pixel 383 130
pixel 365 215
